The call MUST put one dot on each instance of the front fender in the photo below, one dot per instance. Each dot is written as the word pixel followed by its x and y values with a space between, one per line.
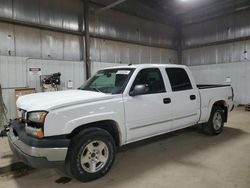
pixel 81 121
pixel 64 120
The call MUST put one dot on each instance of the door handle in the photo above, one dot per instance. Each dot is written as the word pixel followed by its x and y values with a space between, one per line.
pixel 192 97
pixel 166 100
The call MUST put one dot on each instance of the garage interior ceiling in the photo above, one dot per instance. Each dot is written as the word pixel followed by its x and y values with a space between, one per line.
pixel 178 11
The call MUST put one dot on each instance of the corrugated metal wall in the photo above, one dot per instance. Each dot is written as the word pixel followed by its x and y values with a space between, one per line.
pixel 216 54
pixel 220 48
pixel 217 74
pixel 228 27
pixel 67 16
pixel 121 26
pixel 62 14
pixel 14 73
pixel 219 40
pixel 31 42
pixel 105 53
pixel 119 52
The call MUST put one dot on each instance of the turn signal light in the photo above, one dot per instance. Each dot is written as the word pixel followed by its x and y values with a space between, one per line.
pixel 40 133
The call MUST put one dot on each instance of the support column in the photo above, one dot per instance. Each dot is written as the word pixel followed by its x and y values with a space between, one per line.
pixel 179 44
pixel 87 39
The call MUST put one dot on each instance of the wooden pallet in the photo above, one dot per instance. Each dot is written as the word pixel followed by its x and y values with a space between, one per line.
pixel 247 107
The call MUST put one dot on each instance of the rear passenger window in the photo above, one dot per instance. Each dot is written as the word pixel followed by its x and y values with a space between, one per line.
pixel 179 79
pixel 152 78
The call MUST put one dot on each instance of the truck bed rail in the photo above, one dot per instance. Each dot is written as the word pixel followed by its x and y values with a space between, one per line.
pixel 203 86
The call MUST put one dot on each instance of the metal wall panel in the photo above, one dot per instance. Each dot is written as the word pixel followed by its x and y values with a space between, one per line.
pixel 123 26
pixel 72 47
pixel 144 55
pixel 123 53
pixel 52 45
pixel 134 54
pixel 94 49
pixel 168 56
pixel 6 8
pixel 56 13
pixel 9 101
pixel 28 41
pixel 224 53
pixel 72 14
pixel 7 39
pixel 68 15
pixel 191 35
pixel 217 74
pixel 145 36
pixel 51 13
pixel 108 51
pixel 13 73
pixel 155 55
pixel 26 10
pixel 162 35
pixel 242 24
pixel 223 28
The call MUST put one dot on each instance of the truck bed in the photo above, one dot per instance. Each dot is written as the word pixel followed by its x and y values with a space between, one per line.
pixel 211 93
pixel 206 86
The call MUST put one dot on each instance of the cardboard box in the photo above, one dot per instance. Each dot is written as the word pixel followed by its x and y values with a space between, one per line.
pixel 23 91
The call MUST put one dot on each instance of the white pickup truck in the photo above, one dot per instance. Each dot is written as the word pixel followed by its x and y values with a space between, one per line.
pixel 81 129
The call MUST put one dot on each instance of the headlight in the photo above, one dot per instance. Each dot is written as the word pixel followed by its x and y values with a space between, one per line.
pixel 35 123
pixel 37 117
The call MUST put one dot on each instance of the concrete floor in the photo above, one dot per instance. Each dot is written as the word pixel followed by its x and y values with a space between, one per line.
pixel 185 158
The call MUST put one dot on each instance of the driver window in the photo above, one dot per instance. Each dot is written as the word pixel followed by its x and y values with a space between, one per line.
pixel 152 78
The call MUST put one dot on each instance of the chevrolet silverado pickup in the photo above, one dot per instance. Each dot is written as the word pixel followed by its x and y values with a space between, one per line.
pixel 81 129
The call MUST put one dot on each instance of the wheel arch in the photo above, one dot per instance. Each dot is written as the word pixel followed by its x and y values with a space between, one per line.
pixel 223 105
pixel 110 126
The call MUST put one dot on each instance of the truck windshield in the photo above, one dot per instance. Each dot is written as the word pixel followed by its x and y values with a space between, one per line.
pixel 111 81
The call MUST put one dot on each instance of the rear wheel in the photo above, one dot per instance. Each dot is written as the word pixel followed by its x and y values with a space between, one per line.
pixel 215 124
pixel 91 154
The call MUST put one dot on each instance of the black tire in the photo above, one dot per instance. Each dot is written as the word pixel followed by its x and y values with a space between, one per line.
pixel 77 148
pixel 210 128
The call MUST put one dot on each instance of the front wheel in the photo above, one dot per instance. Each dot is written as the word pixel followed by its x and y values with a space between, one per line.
pixel 91 154
pixel 215 124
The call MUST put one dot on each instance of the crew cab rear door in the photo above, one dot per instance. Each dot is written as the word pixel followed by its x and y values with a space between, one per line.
pixel 150 113
pixel 185 98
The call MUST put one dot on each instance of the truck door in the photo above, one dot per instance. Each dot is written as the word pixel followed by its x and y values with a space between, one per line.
pixel 150 113
pixel 185 98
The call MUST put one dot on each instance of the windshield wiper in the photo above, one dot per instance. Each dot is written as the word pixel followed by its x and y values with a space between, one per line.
pixel 96 89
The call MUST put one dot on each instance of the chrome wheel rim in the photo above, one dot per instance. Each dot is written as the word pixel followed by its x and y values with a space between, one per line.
pixel 94 156
pixel 217 121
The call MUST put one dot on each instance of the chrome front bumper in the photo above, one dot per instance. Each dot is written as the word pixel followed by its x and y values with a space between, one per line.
pixel 33 156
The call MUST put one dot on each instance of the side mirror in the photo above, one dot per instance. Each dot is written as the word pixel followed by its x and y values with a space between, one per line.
pixel 139 90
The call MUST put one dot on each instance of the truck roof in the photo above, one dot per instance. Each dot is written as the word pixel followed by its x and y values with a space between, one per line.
pixel 146 66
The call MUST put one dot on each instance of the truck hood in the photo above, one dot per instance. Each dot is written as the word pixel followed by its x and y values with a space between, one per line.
pixel 52 100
